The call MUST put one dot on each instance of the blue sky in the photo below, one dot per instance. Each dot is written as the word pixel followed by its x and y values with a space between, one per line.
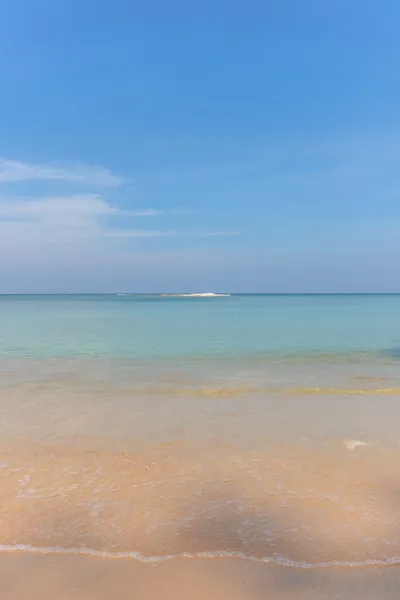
pixel 199 146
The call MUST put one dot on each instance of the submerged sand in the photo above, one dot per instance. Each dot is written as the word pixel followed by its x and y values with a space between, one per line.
pixel 35 577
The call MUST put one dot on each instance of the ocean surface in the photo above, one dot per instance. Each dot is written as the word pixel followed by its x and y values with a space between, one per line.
pixel 260 426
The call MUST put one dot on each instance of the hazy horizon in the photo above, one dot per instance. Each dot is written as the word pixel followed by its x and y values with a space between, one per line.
pixel 185 292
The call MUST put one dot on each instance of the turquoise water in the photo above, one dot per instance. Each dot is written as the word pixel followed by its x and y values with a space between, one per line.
pixel 238 325
pixel 191 358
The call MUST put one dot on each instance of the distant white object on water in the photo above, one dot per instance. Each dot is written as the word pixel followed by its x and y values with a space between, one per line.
pixel 205 294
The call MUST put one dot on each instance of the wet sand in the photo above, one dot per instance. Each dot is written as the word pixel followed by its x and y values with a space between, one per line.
pixel 35 577
pixel 332 504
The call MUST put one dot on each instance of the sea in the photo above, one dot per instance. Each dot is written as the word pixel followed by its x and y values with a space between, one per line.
pixel 152 427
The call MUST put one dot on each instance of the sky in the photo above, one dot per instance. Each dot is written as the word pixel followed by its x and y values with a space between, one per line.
pixel 199 146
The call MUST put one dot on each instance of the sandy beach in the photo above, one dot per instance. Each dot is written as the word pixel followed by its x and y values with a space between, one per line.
pixel 35 577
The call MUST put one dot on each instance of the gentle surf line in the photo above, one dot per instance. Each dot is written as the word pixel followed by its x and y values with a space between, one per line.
pixel 275 560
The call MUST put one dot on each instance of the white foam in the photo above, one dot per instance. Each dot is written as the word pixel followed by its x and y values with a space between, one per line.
pixel 277 559
pixel 352 444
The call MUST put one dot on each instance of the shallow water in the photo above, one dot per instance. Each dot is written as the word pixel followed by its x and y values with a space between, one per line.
pixel 263 426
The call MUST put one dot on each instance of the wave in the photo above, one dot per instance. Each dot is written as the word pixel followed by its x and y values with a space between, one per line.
pixel 279 560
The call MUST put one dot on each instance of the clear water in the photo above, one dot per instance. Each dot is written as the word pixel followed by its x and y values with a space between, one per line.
pixel 238 325
pixel 259 425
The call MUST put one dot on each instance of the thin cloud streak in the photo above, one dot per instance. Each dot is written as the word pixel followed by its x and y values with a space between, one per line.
pixel 138 233
pixel 19 206
pixel 18 171
pixel 23 207
pixel 145 212
pixel 215 233
pixel 153 212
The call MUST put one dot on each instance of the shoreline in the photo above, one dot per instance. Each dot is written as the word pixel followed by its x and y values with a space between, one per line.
pixel 138 557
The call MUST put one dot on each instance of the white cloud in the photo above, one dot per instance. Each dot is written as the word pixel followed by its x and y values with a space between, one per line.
pixel 43 234
pixel 82 213
pixel 14 171
pixel 82 219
